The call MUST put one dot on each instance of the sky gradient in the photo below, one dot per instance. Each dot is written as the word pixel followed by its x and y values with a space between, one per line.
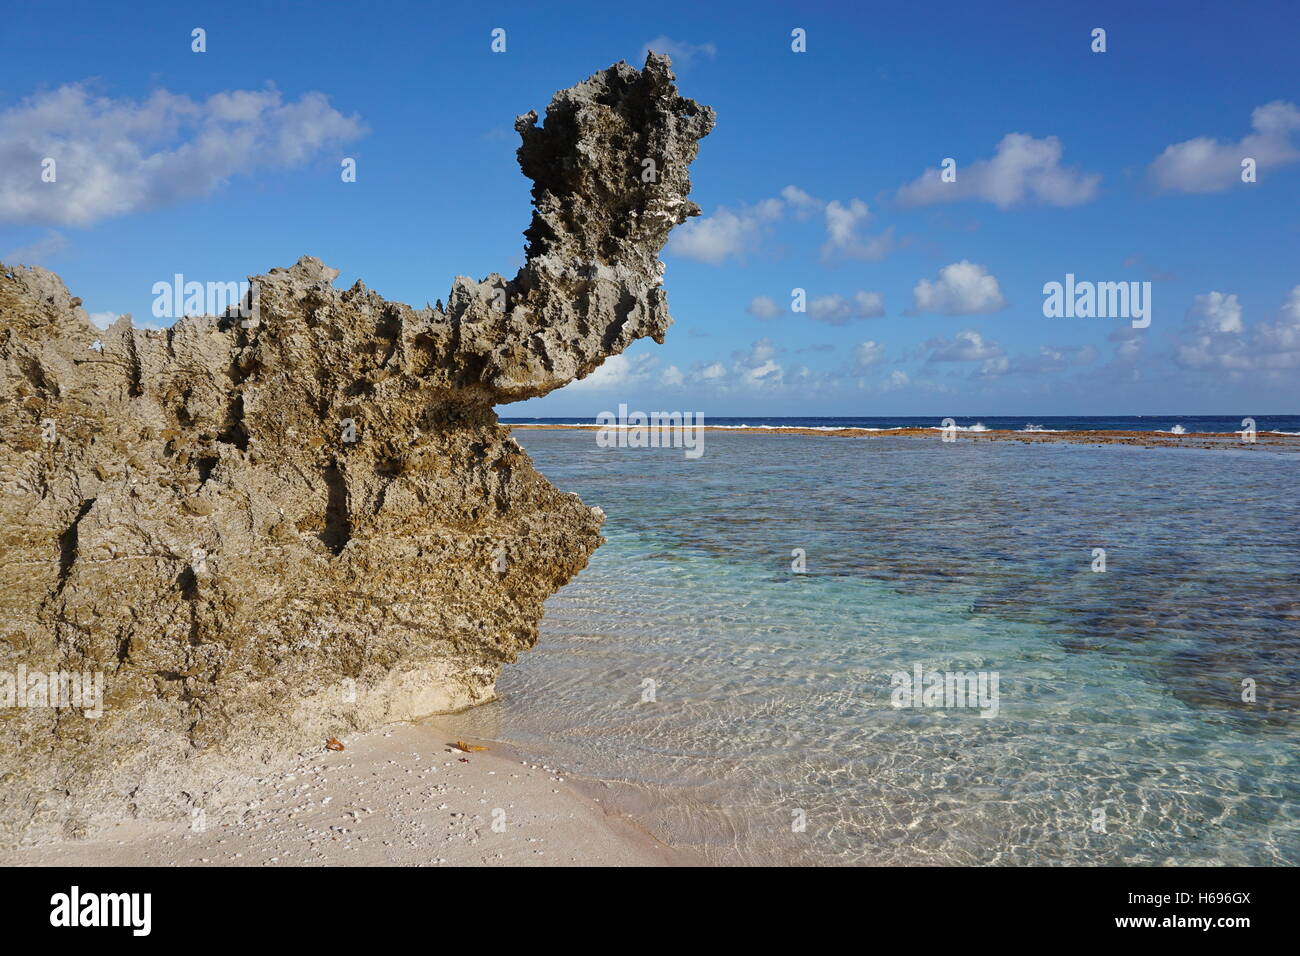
pixel 923 297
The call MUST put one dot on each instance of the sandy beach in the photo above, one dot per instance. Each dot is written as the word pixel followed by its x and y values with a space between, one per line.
pixel 403 795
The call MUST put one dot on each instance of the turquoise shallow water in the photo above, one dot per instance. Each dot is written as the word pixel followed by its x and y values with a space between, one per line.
pixel 1119 692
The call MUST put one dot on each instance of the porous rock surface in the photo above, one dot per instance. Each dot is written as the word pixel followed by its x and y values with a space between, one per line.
pixel 267 531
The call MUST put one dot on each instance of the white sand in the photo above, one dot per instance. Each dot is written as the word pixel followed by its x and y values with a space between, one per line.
pixel 396 796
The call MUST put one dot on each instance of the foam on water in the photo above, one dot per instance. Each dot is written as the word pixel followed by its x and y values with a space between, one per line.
pixel 1119 691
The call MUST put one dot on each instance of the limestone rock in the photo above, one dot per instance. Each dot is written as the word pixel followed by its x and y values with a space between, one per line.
pixel 265 533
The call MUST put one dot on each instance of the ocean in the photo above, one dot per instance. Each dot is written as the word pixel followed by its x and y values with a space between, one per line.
pixel 1191 424
pixel 735 667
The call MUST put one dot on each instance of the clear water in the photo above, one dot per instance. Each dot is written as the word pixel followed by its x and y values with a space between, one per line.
pixel 1119 691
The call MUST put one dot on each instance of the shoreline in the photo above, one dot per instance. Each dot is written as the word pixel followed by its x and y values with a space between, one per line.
pixel 1271 441
pixel 400 795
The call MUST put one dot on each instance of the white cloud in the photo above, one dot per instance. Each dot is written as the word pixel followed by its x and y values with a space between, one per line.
pixel 1214 336
pixel 842 221
pixel 870 305
pixel 726 234
pixel 1052 358
pixel 803 204
pixel 115 157
pixel 767 374
pixel 994 367
pixel 1216 312
pixel 759 351
pixel 969 345
pixel 1203 165
pixel 868 248
pixel 1023 169
pixel 617 371
pixel 867 354
pixel 682 54
pixel 966 346
pixel 843 225
pixel 732 233
pixel 1284 334
pixel 672 376
pixel 897 379
pixel 763 307
pixel 1128 344
pixel 757 368
pixel 963 288
pixel 837 310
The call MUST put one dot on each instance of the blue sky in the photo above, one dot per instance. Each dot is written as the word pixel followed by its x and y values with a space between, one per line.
pixel 923 297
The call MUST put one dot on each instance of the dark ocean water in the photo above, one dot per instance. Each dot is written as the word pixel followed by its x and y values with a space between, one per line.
pixel 724 697
pixel 1139 423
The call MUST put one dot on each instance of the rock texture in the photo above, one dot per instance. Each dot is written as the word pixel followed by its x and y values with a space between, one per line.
pixel 268 533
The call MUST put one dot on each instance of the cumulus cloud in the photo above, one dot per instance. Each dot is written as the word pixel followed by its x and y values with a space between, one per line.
pixel 963 288
pixel 896 379
pixel 838 310
pixel 801 203
pixel 763 307
pixel 1053 358
pixel 1215 312
pixel 844 222
pixel 1022 170
pixel 1215 336
pixel 1203 164
pixel 617 371
pixel 118 156
pixel 966 346
pixel 758 368
pixel 994 367
pixel 1284 334
pixel 866 355
pixel 767 374
pixel 753 369
pixel 1128 344
pixel 992 361
pixel 683 54
pixel 728 233
pixel 672 377
pixel 732 233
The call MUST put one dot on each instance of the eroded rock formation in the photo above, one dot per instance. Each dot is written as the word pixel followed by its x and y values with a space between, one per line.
pixel 267 532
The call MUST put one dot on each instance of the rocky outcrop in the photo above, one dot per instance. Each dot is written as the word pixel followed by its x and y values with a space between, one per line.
pixel 266 530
